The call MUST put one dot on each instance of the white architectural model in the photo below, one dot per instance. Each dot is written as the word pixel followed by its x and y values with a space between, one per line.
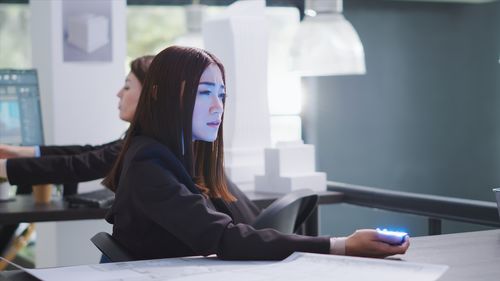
pixel 239 39
pixel 88 32
pixel 290 166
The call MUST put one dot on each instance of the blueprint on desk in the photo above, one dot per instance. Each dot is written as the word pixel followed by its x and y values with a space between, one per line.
pixel 299 266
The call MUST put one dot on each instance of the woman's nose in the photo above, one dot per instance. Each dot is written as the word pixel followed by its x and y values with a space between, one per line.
pixel 217 105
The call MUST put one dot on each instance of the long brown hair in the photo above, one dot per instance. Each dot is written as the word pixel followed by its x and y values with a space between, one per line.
pixel 139 67
pixel 165 113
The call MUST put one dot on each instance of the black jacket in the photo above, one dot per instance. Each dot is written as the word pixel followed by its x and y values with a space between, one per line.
pixel 64 164
pixel 158 212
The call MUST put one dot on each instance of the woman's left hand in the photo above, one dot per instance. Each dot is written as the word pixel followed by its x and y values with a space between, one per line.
pixel 370 243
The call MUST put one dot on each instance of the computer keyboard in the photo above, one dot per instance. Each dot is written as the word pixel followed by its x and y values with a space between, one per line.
pixel 101 198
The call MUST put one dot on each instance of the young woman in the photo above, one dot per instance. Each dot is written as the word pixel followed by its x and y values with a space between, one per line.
pixel 74 163
pixel 172 198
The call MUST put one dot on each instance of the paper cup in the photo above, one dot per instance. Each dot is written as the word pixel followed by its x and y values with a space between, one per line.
pixel 497 194
pixel 42 193
pixel 4 191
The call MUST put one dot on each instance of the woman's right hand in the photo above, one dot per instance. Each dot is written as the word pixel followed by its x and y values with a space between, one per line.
pixel 370 243
pixel 12 151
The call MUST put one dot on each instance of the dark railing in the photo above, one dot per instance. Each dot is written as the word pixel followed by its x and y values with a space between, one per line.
pixel 434 207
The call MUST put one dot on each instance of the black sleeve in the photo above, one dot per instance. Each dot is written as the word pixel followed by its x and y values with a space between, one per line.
pixel 46 150
pixel 60 169
pixel 161 198
pixel 243 210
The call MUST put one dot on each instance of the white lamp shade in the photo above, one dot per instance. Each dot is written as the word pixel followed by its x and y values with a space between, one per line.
pixel 327 44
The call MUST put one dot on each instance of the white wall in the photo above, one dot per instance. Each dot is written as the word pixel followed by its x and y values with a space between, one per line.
pixel 79 100
pixel 79 106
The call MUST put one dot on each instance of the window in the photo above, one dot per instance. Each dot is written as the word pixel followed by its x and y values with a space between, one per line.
pixel 151 28
pixel 15 36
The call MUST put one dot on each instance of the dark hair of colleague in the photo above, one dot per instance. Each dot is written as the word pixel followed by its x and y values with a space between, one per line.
pixel 62 164
pixel 172 198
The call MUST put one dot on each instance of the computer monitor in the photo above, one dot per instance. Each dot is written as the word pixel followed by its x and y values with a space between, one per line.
pixel 20 113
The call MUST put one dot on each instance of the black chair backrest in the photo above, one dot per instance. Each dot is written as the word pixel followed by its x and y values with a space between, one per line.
pixel 110 247
pixel 289 212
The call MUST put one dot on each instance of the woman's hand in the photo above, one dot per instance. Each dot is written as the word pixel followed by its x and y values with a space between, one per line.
pixel 11 151
pixel 370 243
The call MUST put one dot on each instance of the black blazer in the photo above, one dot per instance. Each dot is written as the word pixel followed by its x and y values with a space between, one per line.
pixel 158 212
pixel 64 164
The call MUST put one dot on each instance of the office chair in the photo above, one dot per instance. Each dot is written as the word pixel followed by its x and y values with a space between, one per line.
pixel 110 248
pixel 17 245
pixel 7 231
pixel 289 212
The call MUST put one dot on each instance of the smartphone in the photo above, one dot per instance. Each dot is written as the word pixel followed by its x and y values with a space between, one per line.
pixel 400 235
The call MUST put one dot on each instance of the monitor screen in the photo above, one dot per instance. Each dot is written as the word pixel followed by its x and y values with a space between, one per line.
pixel 20 113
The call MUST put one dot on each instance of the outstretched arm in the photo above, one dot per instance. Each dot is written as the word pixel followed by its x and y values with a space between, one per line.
pixel 13 151
pixel 91 165
pixel 47 150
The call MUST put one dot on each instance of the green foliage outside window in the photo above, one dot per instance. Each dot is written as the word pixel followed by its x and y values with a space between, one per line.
pixel 15 39
pixel 152 28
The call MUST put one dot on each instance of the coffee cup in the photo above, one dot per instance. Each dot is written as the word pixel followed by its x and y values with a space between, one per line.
pixel 42 193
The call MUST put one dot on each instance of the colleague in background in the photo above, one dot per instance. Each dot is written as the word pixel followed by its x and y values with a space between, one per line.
pixel 172 197
pixel 73 163
pixel 68 165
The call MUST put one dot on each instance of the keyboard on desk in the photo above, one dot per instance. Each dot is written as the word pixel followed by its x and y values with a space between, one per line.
pixel 101 198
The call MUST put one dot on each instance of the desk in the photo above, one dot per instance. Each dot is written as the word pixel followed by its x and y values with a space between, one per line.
pixel 24 209
pixel 471 256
